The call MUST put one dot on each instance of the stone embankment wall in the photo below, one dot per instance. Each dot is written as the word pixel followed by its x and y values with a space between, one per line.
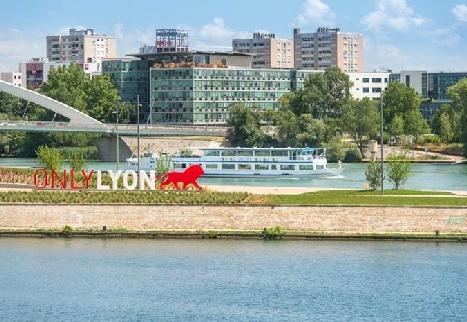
pixel 340 220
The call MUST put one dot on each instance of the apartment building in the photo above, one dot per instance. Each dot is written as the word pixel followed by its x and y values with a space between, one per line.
pixel 13 78
pixel 81 46
pixel 328 47
pixel 267 50
pixel 370 85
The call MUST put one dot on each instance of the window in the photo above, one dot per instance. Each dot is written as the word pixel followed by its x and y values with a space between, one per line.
pixel 319 167
pixel 287 167
pixel 279 153
pixel 211 166
pixel 212 153
pixel 273 166
pixel 179 165
pixel 244 166
pixel 376 90
pixel 376 80
pixel 261 167
pixel 227 166
pixel 229 153
pixel 365 89
pixel 306 167
pixel 262 153
pixel 366 80
pixel 245 153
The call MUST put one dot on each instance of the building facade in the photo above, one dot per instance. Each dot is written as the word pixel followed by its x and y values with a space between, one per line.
pixel 368 85
pixel 171 41
pixel 81 46
pixel 432 87
pixel 35 72
pixel 328 47
pixel 13 78
pixel 131 78
pixel 268 51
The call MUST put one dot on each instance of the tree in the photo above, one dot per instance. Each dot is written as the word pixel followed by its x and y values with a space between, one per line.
pixel 415 124
pixel 398 170
pixel 446 123
pixel 50 159
pixel 396 127
pixel 373 174
pixel 77 160
pixel 327 93
pixel 399 99
pixel 244 126
pixel 445 128
pixel 458 94
pixel 95 96
pixel 360 120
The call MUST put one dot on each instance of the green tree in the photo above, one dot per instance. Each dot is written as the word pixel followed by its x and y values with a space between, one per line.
pixel 458 94
pixel 415 124
pixel 373 174
pixel 446 129
pixel 398 170
pixel 50 158
pixel 360 120
pixel 244 127
pixel 77 160
pixel 396 127
pixel 399 99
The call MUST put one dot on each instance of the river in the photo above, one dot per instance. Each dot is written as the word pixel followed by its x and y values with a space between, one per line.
pixel 198 280
pixel 425 176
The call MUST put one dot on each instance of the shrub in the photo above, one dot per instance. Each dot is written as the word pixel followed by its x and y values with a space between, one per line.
pixel 353 155
pixel 454 149
pixel 272 233
pixel 429 138
pixel 67 230
pixel 50 158
pixel 399 169
pixel 373 174
pixel 77 160
pixel 335 151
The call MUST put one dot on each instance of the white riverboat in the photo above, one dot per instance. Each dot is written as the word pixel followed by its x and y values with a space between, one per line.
pixel 247 162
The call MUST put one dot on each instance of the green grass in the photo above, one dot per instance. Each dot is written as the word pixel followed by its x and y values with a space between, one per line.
pixel 354 197
pixel 122 197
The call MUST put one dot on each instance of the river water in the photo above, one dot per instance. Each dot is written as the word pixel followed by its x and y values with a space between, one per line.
pixel 425 176
pixel 198 280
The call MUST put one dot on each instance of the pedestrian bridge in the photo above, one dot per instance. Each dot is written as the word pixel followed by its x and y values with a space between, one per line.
pixel 81 122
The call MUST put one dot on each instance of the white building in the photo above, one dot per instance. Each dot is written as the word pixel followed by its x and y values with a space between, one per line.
pixel 369 85
pixel 81 46
pixel 13 78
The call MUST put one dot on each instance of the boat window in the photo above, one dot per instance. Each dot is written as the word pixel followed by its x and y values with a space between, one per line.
pixel 178 166
pixel 228 166
pixel 262 153
pixel 212 153
pixel 287 167
pixel 244 167
pixel 245 153
pixel 261 167
pixel 211 166
pixel 319 167
pixel 306 167
pixel 229 153
pixel 279 153
pixel 273 166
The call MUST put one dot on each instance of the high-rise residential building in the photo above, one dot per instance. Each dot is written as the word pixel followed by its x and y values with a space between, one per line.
pixel 329 47
pixel 81 46
pixel 432 87
pixel 35 72
pixel 268 51
pixel 14 78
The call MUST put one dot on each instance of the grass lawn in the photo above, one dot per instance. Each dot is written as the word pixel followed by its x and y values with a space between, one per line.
pixel 362 197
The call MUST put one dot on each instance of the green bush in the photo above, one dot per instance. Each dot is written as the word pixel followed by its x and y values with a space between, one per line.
pixel 373 174
pixel 399 169
pixel 335 151
pixel 272 233
pixel 454 149
pixel 50 158
pixel 429 138
pixel 88 153
pixel 353 155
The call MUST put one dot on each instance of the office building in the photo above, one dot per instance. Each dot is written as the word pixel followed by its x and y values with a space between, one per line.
pixel 368 85
pixel 14 78
pixel 81 46
pixel 328 47
pixel 35 72
pixel 432 87
pixel 268 51
pixel 171 41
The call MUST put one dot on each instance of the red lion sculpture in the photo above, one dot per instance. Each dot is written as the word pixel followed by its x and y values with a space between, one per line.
pixel 189 176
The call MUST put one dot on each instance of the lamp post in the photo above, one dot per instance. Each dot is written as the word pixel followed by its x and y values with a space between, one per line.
pixel 382 143
pixel 117 112
pixel 137 132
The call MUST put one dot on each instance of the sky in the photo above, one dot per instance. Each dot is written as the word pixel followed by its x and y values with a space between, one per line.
pixel 399 34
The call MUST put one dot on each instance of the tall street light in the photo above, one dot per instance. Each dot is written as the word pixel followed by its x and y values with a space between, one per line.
pixel 382 143
pixel 117 112
pixel 137 131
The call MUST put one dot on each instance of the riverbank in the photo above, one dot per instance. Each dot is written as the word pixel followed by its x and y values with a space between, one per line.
pixel 235 221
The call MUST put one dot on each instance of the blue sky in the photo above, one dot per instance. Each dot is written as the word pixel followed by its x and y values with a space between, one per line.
pixel 399 34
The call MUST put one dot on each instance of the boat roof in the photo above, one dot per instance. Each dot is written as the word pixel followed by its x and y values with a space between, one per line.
pixel 265 149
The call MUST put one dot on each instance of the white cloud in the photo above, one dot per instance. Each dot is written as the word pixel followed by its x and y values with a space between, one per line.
pixel 460 12
pixel 445 36
pixel 393 14
pixel 315 13
pixel 215 35
pixel 384 56
pixel 130 40
pixel 17 46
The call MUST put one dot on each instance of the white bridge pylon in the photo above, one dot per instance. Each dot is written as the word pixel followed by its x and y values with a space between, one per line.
pixel 76 117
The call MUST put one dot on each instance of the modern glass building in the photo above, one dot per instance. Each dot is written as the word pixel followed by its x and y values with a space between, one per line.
pixel 431 86
pixel 131 78
pixel 204 95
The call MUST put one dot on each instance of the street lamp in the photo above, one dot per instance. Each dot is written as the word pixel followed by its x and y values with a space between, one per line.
pixel 117 112
pixel 137 131
pixel 382 143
